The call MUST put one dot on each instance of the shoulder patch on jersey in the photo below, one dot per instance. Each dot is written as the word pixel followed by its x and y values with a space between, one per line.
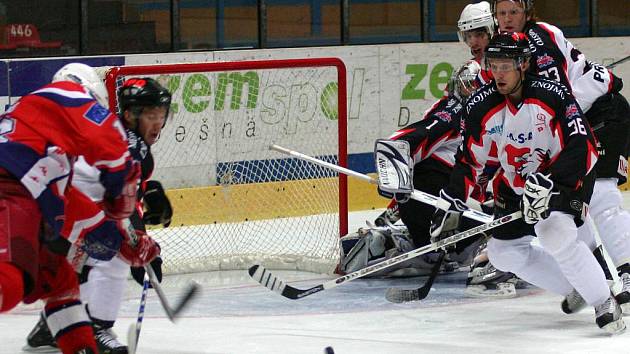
pixel 572 111
pixel 544 61
pixel 97 113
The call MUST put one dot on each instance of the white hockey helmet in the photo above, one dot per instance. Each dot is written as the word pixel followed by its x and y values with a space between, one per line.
pixel 475 16
pixel 87 77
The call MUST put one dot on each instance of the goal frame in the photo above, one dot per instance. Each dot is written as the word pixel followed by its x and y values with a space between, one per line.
pixel 155 69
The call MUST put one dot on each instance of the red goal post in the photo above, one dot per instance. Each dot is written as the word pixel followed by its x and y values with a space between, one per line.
pixel 236 202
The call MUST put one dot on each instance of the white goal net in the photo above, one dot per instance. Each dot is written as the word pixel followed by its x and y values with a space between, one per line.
pixel 236 202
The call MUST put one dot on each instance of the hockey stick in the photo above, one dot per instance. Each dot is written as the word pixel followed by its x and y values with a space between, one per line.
pixel 399 295
pixel 613 64
pixel 273 283
pixel 133 334
pixel 188 294
pixel 171 312
pixel 415 195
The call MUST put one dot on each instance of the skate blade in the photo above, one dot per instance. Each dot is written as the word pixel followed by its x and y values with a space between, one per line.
pixel 503 291
pixel 43 349
pixel 615 327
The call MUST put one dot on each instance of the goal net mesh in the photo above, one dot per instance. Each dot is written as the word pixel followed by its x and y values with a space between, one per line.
pixel 235 201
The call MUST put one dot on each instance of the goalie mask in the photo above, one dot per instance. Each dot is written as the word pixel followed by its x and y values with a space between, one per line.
pixel 138 93
pixel 464 82
pixel 85 76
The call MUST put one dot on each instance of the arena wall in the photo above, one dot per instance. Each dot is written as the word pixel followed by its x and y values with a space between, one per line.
pixel 389 86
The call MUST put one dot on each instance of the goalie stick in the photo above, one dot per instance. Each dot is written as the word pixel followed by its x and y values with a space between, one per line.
pixel 399 295
pixel 273 283
pixel 416 194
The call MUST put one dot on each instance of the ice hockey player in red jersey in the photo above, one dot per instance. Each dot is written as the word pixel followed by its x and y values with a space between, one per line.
pixel 597 91
pixel 536 131
pixel 41 136
pixel 143 105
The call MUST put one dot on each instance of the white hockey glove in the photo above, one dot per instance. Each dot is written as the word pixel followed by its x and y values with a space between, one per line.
pixel 537 193
pixel 446 223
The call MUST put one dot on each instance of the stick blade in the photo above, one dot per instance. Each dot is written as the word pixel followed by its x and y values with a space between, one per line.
pixel 398 296
pixel 191 292
pixel 267 279
pixel 275 284
pixel 132 339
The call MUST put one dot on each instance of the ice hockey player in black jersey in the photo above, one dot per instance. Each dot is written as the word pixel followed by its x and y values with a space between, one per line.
pixel 144 106
pixel 433 140
pixel 597 92
pixel 536 131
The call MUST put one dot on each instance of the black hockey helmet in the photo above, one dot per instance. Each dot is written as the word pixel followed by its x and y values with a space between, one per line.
pixel 508 45
pixel 137 93
pixel 528 5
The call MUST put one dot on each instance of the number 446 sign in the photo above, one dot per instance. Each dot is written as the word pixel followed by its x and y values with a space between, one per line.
pixel 21 31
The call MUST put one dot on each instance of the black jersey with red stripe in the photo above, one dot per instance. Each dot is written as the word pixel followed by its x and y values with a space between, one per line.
pixel 555 57
pixel 437 135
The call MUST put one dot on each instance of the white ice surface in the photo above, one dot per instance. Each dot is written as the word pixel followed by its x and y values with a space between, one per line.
pixel 234 314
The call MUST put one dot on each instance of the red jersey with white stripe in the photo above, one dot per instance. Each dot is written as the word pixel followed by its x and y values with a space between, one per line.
pixel 42 134
pixel 554 57
pixel 546 133
pixel 63 114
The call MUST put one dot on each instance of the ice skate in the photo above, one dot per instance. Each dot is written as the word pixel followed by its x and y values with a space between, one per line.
pixel 107 342
pixel 40 340
pixel 608 316
pixel 573 303
pixel 623 298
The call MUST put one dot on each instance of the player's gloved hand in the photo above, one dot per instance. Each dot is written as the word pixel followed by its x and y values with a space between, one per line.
pixel 138 272
pixel 142 253
pixel 446 223
pixel 157 207
pixel 537 193
pixel 103 241
pixel 121 206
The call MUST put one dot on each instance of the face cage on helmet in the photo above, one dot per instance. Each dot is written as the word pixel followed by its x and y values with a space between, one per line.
pixel 465 86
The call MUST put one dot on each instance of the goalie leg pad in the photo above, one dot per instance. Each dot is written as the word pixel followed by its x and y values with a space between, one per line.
pixel 371 244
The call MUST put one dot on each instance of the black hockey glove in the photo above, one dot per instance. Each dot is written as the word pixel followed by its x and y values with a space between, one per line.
pixel 157 207
pixel 138 272
pixel 447 223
